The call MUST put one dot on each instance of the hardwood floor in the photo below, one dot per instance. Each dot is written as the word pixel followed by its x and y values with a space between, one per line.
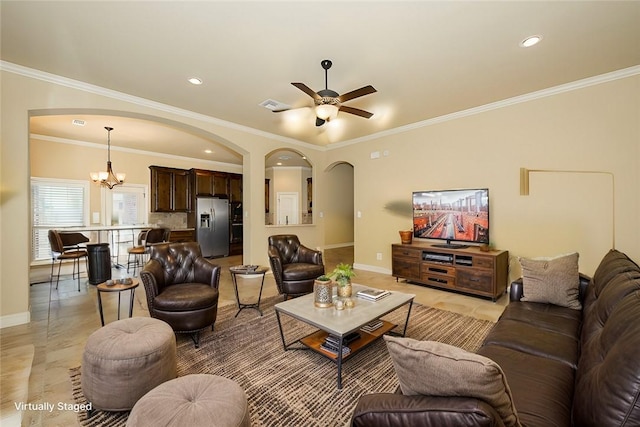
pixel 63 319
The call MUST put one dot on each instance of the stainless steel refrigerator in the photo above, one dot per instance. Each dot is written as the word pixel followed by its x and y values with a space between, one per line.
pixel 212 226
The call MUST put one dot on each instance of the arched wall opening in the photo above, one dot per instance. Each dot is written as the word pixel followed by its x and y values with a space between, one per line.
pixel 61 154
pixel 288 188
pixel 339 214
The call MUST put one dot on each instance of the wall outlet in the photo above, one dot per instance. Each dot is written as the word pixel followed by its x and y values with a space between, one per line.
pixel 379 256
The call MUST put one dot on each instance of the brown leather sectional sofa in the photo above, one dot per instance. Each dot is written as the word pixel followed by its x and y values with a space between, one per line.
pixel 565 367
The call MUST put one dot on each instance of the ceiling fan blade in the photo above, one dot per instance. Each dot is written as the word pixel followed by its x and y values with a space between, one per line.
pixel 306 89
pixel 356 111
pixel 319 121
pixel 357 93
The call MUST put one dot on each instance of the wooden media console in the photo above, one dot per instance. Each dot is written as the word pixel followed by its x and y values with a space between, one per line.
pixel 466 270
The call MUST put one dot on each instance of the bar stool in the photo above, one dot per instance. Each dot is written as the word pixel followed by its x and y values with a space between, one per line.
pixel 59 253
pixel 146 238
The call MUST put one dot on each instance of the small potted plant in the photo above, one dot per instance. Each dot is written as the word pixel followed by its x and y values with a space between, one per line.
pixel 323 292
pixel 342 274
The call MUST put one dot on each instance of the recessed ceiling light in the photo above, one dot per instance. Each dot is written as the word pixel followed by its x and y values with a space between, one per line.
pixel 208 151
pixel 195 81
pixel 530 41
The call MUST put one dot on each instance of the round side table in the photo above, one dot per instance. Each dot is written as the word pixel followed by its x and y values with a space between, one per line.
pixel 247 270
pixel 119 288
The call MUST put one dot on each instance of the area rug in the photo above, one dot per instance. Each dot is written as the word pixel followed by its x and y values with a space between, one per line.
pixel 298 387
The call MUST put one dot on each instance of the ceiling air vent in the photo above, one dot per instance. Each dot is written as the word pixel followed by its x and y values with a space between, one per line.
pixel 271 104
pixel 78 122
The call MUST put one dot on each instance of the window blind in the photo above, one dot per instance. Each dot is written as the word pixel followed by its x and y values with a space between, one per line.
pixel 55 204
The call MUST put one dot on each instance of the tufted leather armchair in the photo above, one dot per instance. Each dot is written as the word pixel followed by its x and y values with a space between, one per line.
pixel 182 287
pixel 294 266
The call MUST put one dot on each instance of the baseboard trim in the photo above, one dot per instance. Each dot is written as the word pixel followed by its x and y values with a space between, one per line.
pixel 372 268
pixel 15 319
pixel 338 245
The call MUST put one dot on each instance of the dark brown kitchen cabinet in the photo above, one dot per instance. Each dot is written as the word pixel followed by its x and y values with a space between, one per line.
pixel 203 182
pixel 170 189
pixel 235 187
pixel 186 235
pixel 220 184
pixel 210 183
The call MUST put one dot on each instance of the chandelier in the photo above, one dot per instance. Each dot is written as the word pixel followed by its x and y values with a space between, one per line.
pixel 108 178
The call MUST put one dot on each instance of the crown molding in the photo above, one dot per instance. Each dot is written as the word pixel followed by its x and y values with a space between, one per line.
pixel 75 84
pixel 230 167
pixel 98 90
pixel 567 87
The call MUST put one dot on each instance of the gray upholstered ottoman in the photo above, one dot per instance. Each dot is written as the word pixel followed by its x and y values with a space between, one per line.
pixel 193 400
pixel 125 359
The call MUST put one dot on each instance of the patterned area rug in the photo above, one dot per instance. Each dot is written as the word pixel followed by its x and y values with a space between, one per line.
pixel 296 388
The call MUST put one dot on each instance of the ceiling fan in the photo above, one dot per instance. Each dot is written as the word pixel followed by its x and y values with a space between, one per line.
pixel 329 102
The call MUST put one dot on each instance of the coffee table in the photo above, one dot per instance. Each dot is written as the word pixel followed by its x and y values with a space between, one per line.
pixel 342 322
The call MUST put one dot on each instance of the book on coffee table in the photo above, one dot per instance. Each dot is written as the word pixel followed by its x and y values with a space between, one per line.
pixel 372 326
pixel 346 340
pixel 372 294
pixel 333 349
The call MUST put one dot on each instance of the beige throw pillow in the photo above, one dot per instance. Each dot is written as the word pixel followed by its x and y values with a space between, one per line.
pixel 551 280
pixel 436 369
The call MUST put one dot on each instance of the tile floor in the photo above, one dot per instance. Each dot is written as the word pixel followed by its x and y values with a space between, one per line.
pixel 62 320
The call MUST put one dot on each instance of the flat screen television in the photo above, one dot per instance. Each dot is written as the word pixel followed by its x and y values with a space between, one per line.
pixel 452 215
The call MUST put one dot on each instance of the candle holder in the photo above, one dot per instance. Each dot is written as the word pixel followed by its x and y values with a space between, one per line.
pixel 323 292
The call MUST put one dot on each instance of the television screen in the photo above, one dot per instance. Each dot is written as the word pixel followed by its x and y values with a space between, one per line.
pixel 451 215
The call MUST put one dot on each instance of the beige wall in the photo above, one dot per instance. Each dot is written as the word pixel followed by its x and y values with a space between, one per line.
pixel 593 128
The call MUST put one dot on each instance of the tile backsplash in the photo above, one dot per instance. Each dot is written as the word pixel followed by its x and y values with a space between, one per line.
pixel 174 221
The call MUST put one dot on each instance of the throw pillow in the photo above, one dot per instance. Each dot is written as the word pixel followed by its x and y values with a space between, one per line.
pixel 551 280
pixel 436 369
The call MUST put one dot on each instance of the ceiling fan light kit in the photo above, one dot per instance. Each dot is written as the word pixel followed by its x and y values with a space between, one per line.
pixel 328 102
pixel 327 108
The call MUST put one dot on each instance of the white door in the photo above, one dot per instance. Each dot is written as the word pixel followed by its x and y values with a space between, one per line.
pixel 125 205
pixel 288 208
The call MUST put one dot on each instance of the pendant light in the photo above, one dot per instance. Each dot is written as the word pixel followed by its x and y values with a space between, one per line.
pixel 108 178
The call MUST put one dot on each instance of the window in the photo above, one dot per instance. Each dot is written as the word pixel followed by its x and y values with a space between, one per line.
pixel 55 203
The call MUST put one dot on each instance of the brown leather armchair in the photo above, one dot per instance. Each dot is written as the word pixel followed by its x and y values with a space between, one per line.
pixel 294 266
pixel 182 287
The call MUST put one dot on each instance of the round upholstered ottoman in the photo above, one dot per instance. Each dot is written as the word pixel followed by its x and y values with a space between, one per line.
pixel 125 359
pixel 193 400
